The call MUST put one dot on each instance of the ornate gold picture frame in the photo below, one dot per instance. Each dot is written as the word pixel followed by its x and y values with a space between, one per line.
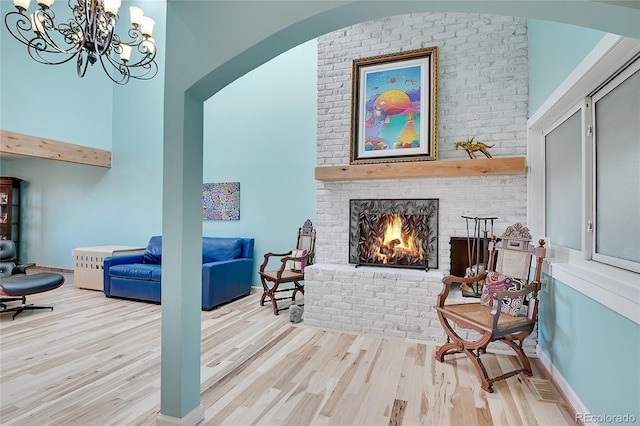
pixel 394 107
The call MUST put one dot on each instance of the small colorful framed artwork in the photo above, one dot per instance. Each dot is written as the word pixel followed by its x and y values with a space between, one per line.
pixel 394 107
pixel 221 201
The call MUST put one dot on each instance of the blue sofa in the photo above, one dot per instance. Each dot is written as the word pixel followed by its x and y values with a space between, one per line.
pixel 227 270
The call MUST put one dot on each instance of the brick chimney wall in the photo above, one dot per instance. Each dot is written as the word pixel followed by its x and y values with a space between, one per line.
pixel 483 92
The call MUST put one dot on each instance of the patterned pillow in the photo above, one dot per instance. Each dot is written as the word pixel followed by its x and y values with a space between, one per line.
pixel 496 282
pixel 296 265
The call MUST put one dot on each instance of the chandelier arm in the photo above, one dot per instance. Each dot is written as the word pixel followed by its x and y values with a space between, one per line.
pixel 123 71
pixel 135 40
pixel 105 45
pixel 148 52
pixel 151 71
pixel 144 46
pixel 37 53
pixel 140 71
pixel 22 24
pixel 144 72
pixel 46 17
pixel 24 28
pixel 77 9
pixel 82 63
pixel 144 62
pixel 136 36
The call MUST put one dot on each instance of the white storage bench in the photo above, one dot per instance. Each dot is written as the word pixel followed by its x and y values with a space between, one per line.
pixel 87 272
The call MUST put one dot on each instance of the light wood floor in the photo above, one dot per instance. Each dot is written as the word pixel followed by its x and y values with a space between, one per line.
pixel 96 361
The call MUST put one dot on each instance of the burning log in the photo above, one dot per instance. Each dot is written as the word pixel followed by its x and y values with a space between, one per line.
pixel 395 253
pixel 388 249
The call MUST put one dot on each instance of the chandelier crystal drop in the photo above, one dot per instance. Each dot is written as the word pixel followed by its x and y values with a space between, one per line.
pixel 89 36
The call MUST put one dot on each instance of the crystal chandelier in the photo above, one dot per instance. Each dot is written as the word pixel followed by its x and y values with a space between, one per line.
pixel 88 35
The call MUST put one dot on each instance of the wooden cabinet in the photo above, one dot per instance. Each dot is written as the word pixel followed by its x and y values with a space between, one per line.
pixel 10 209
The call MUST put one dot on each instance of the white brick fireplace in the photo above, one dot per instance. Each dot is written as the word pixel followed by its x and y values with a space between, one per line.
pixel 483 91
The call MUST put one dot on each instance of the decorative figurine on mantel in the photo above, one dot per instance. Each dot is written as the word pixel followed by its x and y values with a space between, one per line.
pixel 471 147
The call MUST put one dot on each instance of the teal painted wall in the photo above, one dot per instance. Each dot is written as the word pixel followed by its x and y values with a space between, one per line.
pixel 595 349
pixel 270 114
pixel 261 131
pixel 50 101
pixel 70 205
pixel 555 50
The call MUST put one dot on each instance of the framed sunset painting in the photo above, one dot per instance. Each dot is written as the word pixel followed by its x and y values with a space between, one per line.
pixel 394 107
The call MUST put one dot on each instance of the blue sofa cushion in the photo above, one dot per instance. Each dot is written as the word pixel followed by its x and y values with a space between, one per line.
pixel 153 253
pixel 136 271
pixel 156 275
pixel 215 249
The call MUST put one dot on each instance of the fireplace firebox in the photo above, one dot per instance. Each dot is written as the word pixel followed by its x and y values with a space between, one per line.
pixel 401 233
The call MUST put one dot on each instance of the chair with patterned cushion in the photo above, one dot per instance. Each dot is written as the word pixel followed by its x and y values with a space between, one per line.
pixel 290 269
pixel 507 310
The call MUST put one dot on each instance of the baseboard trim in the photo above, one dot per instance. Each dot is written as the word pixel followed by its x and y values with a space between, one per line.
pixel 578 407
pixel 192 418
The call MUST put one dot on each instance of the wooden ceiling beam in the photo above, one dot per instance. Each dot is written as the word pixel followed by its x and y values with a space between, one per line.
pixel 35 147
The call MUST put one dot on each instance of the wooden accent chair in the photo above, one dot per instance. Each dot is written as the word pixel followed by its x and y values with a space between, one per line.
pixel 508 308
pixel 291 268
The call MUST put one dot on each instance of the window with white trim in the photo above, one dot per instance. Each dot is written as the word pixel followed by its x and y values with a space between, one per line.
pixel 616 209
pixel 563 182
pixel 592 173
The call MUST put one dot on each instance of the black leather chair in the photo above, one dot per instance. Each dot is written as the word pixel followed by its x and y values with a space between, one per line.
pixel 16 284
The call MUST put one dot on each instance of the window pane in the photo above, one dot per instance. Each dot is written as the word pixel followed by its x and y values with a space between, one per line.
pixel 563 183
pixel 617 125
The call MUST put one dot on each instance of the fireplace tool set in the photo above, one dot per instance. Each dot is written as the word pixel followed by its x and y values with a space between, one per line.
pixel 477 252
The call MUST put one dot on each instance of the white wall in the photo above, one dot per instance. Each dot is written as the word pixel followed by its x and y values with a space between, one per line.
pixel 483 91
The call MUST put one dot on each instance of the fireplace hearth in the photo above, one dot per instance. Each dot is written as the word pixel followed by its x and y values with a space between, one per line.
pixel 401 233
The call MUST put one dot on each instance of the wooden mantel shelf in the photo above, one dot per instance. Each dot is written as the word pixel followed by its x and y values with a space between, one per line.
pixel 415 169
pixel 22 145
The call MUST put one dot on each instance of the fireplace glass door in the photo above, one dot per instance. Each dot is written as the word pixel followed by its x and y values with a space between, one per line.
pixel 394 233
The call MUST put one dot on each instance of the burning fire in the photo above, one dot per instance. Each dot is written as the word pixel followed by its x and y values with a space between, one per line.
pixel 397 245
